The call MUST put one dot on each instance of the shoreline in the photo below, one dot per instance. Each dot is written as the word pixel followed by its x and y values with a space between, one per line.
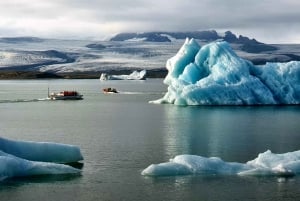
pixel 22 75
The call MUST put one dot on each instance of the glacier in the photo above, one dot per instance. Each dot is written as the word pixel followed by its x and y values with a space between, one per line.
pixel 215 75
pixel 266 164
pixel 26 158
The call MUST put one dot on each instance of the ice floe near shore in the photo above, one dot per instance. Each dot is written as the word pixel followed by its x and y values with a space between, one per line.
pixel 24 158
pixel 215 75
pixel 266 164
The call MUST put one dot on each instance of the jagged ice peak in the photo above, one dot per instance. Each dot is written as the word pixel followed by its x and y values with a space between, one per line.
pixel 215 75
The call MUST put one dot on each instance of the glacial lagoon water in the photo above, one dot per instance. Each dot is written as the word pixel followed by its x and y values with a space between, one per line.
pixel 121 134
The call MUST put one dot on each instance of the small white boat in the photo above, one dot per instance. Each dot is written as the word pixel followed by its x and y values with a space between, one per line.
pixel 65 95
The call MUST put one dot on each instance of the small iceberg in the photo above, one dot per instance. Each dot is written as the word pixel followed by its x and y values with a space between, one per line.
pixel 26 158
pixel 12 166
pixel 266 164
pixel 135 75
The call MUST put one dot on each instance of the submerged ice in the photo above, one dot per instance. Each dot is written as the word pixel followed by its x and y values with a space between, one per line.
pixel 24 158
pixel 267 163
pixel 215 75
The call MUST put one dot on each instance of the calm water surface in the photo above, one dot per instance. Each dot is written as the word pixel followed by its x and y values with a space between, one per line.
pixel 121 134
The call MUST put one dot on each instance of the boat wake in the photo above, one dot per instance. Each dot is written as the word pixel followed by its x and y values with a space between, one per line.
pixel 24 100
pixel 140 93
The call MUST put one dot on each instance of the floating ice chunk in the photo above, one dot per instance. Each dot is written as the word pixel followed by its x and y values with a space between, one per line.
pixel 135 75
pixel 267 163
pixel 41 151
pixel 191 164
pixel 24 158
pixel 167 169
pixel 12 166
pixel 215 75
pixel 287 163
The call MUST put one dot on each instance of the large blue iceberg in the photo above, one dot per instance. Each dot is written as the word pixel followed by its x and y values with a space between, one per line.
pixel 215 75
pixel 25 158
pixel 266 164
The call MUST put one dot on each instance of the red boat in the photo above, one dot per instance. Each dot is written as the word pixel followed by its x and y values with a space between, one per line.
pixel 65 95
pixel 110 90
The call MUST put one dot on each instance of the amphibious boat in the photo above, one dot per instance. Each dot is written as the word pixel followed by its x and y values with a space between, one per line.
pixel 65 95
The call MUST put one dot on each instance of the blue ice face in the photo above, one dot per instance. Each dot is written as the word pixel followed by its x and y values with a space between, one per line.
pixel 24 158
pixel 41 151
pixel 215 75
pixel 184 57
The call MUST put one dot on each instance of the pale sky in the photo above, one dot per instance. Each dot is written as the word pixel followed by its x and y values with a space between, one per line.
pixel 269 21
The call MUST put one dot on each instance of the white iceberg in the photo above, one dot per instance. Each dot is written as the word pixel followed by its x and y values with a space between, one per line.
pixel 135 75
pixel 25 158
pixel 215 75
pixel 266 164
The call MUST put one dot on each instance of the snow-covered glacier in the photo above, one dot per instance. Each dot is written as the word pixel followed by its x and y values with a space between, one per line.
pixel 26 158
pixel 214 75
pixel 266 164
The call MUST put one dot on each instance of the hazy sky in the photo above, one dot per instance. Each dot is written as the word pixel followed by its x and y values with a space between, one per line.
pixel 271 21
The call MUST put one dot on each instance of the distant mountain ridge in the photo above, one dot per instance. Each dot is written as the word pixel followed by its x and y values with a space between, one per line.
pixel 247 44
pixel 31 57
pixel 200 35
